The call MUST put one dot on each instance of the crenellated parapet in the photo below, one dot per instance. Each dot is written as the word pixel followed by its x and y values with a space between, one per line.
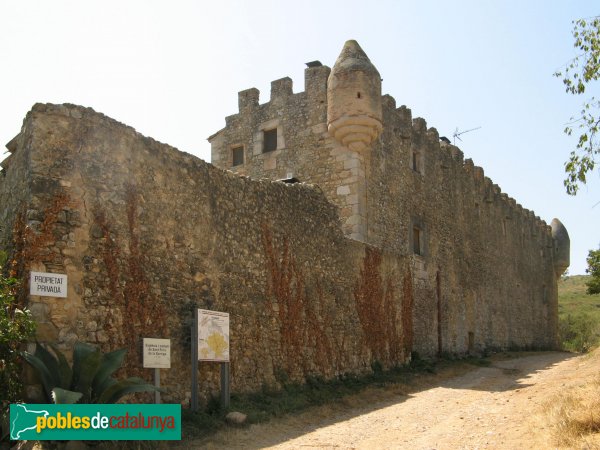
pixel 444 154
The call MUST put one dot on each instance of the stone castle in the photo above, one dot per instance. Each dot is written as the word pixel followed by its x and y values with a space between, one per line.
pixel 343 232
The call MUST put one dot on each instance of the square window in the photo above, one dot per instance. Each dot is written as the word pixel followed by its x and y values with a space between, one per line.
pixel 237 156
pixel 269 140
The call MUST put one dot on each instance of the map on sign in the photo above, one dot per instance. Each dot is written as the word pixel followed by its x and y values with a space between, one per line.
pixel 23 419
pixel 213 336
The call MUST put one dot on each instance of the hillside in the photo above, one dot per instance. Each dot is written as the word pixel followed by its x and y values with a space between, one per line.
pixel 579 314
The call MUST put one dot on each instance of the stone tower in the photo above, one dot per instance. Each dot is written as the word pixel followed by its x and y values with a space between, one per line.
pixel 562 247
pixel 354 120
pixel 354 99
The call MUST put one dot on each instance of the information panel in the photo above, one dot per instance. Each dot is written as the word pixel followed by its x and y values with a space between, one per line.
pixel 157 353
pixel 213 336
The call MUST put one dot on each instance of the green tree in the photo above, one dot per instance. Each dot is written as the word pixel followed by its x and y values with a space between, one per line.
pixel 593 261
pixel 577 77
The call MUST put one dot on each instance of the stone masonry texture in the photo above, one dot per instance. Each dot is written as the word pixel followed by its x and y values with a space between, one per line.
pixel 381 250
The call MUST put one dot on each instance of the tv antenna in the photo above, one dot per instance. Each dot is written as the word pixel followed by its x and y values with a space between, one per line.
pixel 457 134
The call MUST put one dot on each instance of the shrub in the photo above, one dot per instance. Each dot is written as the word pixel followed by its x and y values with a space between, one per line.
pixel 578 333
pixel 16 328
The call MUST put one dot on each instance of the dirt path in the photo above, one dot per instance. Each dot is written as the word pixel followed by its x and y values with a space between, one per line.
pixel 487 407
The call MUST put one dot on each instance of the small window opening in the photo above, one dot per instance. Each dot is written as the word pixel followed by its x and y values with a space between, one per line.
pixel 417 249
pixel 415 161
pixel 358 95
pixel 504 227
pixel 237 156
pixel 270 140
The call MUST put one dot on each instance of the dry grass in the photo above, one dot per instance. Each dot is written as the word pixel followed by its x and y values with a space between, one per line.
pixel 574 415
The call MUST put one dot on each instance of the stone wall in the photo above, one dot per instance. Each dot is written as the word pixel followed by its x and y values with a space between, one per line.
pixel 146 233
pixel 484 272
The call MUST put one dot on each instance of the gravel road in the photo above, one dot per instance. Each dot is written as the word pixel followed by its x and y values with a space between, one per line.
pixel 486 407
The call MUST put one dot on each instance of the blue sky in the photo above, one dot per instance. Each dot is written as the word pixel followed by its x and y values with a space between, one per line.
pixel 173 69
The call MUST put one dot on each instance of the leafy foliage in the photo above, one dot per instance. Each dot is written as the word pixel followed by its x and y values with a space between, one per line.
pixel 89 380
pixel 593 261
pixel 577 75
pixel 577 333
pixel 16 328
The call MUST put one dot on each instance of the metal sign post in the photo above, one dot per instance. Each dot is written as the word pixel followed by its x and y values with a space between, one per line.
pixel 225 397
pixel 156 355
pixel 194 400
pixel 157 385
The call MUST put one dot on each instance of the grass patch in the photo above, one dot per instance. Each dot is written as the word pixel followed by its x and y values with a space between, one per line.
pixel 574 415
pixel 572 298
pixel 200 424
pixel 578 315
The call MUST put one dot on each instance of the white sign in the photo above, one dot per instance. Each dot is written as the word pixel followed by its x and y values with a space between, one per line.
pixel 213 336
pixel 48 284
pixel 157 353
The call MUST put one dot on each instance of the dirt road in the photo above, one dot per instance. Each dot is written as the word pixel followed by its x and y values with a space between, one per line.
pixel 487 407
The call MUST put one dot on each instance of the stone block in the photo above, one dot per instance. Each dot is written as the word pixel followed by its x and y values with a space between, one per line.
pixel 46 332
pixel 270 163
pixel 236 418
pixel 343 190
pixel 39 311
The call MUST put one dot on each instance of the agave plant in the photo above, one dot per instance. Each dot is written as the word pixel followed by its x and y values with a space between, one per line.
pixel 89 380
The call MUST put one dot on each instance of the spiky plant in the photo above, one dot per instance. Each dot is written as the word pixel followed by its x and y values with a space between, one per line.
pixel 89 380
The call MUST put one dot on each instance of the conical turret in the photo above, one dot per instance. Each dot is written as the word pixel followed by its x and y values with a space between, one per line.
pixel 354 99
pixel 562 247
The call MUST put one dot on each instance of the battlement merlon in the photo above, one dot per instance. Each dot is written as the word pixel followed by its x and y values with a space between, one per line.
pixel 248 99
pixel 281 89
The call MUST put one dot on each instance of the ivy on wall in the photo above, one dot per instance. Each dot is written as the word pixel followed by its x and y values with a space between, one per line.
pixel 375 301
pixel 301 320
pixel 136 311
pixel 32 244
